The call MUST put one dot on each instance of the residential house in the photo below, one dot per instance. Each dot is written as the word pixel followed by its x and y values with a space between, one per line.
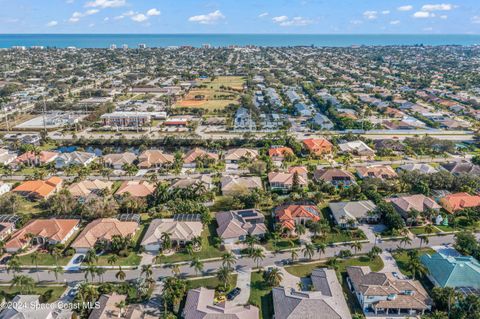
pixel 384 294
pixel 350 214
pixel 108 309
pixel 318 146
pixel 464 167
pixel 334 176
pixel 459 201
pixel 44 231
pixel 38 189
pixel 74 158
pixel 419 202
pixel 325 300
pixel 394 145
pixel 322 121
pixel 200 304
pixel 285 181
pixel 7 157
pixel 89 188
pixel 189 159
pixel 233 185
pixel 376 171
pixel 234 226
pixel 234 156
pixel 303 110
pixel 154 159
pixel 357 148
pixel 452 271
pixel 135 188
pixel 27 306
pixel 289 215
pixel 243 120
pixel 32 159
pixel 202 181
pixel 103 229
pixel 422 168
pixel 117 161
pixel 182 229
pixel 6 229
pixel 278 154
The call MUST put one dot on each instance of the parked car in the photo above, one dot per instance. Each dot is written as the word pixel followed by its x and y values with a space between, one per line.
pixel 232 294
pixel 5 260
pixel 79 259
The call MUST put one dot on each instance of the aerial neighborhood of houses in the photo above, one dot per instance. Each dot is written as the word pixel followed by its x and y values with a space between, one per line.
pixel 240 182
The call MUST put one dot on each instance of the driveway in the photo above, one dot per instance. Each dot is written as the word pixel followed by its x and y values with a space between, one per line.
pixel 243 282
pixel 369 230
pixel 71 264
pixel 147 258
pixel 390 265
pixel 447 250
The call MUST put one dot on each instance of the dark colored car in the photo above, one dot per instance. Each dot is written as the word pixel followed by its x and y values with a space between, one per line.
pixel 79 259
pixel 5 260
pixel 232 294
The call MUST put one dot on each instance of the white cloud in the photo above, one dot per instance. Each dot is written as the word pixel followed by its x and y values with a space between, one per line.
pixel 52 23
pixel 386 12
pixel 106 3
pixel 285 21
pixel 210 18
pixel 405 8
pixel 90 12
pixel 444 16
pixel 370 15
pixel 438 7
pixel 263 15
pixel 423 15
pixel 476 19
pixel 77 15
pixel 395 22
pixel 153 12
pixel 139 17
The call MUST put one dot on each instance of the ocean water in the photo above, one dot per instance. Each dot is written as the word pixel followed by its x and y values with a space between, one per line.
pixel 222 40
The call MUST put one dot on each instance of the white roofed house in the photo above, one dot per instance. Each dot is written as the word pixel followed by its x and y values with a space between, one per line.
pixel 181 228
pixel 116 161
pixel 235 155
pixel 350 214
pixel 6 157
pixel 234 226
pixel 154 159
pixel 74 158
pixel 358 149
pixel 232 185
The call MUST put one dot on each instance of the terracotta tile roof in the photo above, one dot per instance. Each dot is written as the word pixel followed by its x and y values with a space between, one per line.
pixel 329 174
pixel 39 188
pixel 151 158
pixel 418 202
pixel 279 151
pixel 286 214
pixel 119 159
pixel 53 229
pixel 104 229
pixel 459 201
pixel 377 171
pixel 30 157
pixel 318 145
pixel 237 153
pixel 85 188
pixel 136 188
pixel 193 154
pixel 286 178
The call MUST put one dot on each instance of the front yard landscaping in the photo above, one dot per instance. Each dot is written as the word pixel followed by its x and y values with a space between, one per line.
pixel 261 295
pixel 131 260
pixel 44 259
pixel 47 294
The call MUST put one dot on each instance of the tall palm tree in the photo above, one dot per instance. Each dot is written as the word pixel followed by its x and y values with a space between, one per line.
pixel 308 251
pixel 321 247
pixel 356 246
pixel 100 272
pixel 120 275
pixel 223 275
pixel 405 240
pixel 275 238
pixel 293 255
pixel 197 265
pixel 147 271
pixel 414 264
pixel 300 229
pixel 274 277
pixel 175 270
pixel 423 240
pixel 257 255
pixel 166 241
pixel 13 265
pixel 229 260
pixel 91 256
pixel 56 271
pixel 34 257
pixel 333 263
pixel 251 242
pixel 112 259
pixel 24 283
pixel 90 270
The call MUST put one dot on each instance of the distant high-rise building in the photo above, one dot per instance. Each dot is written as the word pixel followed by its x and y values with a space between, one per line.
pixel 207 46
pixel 113 46
pixel 142 46
pixel 125 46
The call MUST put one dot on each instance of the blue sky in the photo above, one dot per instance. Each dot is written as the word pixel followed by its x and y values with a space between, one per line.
pixel 240 16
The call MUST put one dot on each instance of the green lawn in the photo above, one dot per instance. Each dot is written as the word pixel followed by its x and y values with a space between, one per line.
pixel 402 261
pixel 208 250
pixel 342 236
pixel 282 244
pixel 131 260
pixel 211 282
pixel 44 259
pixel 420 230
pixel 53 292
pixel 261 295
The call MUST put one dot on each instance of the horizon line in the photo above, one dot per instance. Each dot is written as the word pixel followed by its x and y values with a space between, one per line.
pixel 283 34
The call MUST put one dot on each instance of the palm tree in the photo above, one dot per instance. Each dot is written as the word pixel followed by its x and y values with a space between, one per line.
pixel 13 265
pixel 414 264
pixel 251 242
pixel 189 249
pixel 147 271
pixel 121 306
pixel 300 229
pixel 293 255
pixel 333 263
pixel 87 293
pixel 34 257
pixel 405 240
pixel 429 229
pixel 274 277
pixel 223 275
pixel 275 238
pixel 173 291
pixel 308 251
pixel 100 272
pixel 90 270
pixel 166 242
pixel 175 270
pixel 257 256
pixel 91 256
pixel 112 259
pixel 197 265
pixel 24 283
pixel 197 242
pixel 56 271
pixel 374 252
pixel 321 247
pixel 229 260
pixel 423 240
pixel 120 275
pixel 356 246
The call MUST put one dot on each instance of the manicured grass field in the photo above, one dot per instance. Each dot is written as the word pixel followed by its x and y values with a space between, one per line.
pixel 211 282
pixel 131 260
pixel 44 259
pixel 402 261
pixel 421 230
pixel 208 248
pixel 55 292
pixel 261 295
